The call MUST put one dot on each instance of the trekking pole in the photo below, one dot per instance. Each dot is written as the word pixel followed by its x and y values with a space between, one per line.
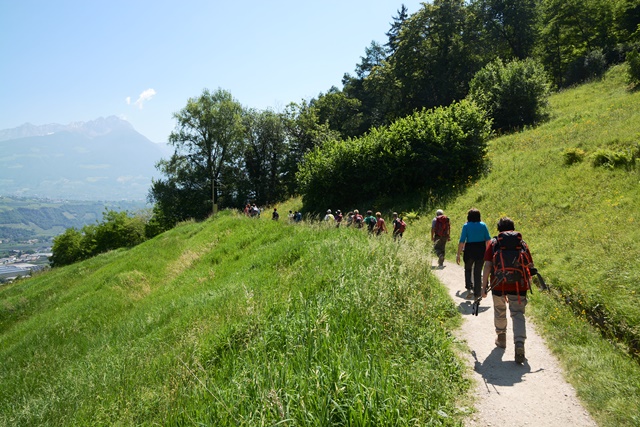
pixel 475 307
pixel 541 283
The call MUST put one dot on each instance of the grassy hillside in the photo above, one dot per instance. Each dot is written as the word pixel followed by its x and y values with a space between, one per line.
pixel 583 225
pixel 234 321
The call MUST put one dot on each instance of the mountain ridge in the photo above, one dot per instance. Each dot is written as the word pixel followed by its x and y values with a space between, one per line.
pixel 103 159
pixel 93 128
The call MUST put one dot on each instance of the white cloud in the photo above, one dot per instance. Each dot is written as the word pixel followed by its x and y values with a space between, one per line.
pixel 145 96
pixel 128 100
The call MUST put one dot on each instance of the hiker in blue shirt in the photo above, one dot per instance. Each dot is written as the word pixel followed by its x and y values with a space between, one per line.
pixel 474 239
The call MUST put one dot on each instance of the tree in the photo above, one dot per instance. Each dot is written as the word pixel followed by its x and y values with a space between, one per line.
pixel 264 155
pixel 434 59
pixel 507 28
pixel 396 27
pixel 513 94
pixel 571 34
pixel 304 132
pixel 208 133
pixel 67 248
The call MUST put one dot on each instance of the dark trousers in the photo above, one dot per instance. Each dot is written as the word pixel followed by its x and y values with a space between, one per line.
pixel 473 263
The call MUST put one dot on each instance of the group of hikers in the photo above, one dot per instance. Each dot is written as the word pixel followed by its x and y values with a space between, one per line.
pixel 374 223
pixel 501 265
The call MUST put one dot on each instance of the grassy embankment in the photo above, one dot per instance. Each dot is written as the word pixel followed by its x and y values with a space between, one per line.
pixel 233 321
pixel 583 226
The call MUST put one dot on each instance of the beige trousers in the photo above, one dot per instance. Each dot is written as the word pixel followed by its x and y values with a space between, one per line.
pixel 516 310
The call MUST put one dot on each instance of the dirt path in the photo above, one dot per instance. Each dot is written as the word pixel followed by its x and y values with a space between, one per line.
pixel 533 394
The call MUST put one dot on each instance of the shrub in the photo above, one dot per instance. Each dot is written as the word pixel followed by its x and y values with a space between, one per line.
pixel 513 94
pixel 573 155
pixel 590 66
pixel 431 150
pixel 612 159
pixel 633 59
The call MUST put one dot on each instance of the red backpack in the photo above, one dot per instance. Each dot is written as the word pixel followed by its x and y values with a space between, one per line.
pixel 511 262
pixel 443 227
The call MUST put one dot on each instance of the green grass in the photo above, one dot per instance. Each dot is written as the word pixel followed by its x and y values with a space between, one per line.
pixel 233 322
pixel 582 224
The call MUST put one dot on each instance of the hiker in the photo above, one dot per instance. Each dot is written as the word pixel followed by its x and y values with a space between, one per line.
pixel 275 215
pixel 297 217
pixel 329 218
pixel 291 216
pixel 507 261
pixel 247 209
pixel 474 240
pixel 380 226
pixel 255 211
pixel 371 221
pixel 357 218
pixel 338 218
pixel 398 226
pixel 440 235
pixel 350 219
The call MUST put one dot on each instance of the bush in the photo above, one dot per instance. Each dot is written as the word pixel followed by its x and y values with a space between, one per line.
pixel 513 94
pixel 117 230
pixel 573 155
pixel 590 66
pixel 633 59
pixel 612 159
pixel 431 150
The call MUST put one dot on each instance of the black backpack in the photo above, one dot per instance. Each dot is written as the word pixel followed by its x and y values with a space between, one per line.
pixel 511 260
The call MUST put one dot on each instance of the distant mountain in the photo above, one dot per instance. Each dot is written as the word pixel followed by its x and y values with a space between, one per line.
pixel 104 159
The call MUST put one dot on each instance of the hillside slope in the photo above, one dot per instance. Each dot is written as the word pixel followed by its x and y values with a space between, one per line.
pixel 234 321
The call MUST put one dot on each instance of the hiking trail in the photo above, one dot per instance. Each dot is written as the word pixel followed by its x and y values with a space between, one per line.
pixel 533 394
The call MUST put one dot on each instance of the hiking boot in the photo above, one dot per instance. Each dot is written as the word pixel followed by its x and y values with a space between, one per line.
pixel 520 353
pixel 501 340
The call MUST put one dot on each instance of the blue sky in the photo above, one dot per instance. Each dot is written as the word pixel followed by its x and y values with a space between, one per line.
pixel 66 61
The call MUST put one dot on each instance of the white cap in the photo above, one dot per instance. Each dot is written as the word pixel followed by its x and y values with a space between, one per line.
pixel 439 212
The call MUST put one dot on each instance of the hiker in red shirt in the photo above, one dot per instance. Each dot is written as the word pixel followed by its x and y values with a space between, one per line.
pixel 380 226
pixel 440 231
pixel 507 261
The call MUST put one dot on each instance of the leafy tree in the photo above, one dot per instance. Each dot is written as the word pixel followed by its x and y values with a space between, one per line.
pixel 118 230
pixel 633 61
pixel 207 136
pixel 513 94
pixel 628 21
pixel 264 156
pixel 433 61
pixel 67 248
pixel 304 132
pixel 570 30
pixel 507 28
pixel 340 112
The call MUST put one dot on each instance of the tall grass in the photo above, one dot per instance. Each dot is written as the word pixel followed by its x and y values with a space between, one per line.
pixel 233 321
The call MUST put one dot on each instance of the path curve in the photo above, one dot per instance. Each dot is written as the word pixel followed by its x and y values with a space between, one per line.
pixel 533 394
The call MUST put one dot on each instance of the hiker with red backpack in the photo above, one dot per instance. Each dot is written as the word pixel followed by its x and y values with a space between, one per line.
pixel 440 235
pixel 508 263
pixel 474 240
